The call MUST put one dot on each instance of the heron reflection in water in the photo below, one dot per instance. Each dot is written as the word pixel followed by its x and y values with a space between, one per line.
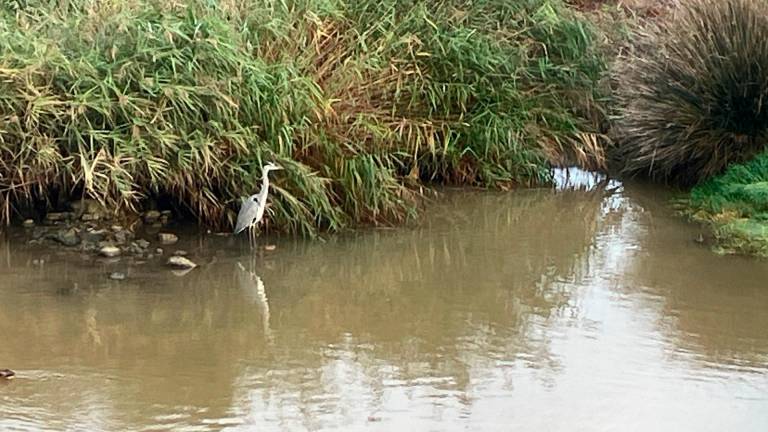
pixel 253 287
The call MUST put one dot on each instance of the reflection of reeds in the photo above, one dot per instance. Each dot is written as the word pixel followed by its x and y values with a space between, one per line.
pixel 124 100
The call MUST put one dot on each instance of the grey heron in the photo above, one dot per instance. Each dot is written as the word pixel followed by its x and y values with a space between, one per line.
pixel 252 209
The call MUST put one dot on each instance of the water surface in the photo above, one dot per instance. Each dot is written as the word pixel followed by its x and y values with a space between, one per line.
pixel 569 310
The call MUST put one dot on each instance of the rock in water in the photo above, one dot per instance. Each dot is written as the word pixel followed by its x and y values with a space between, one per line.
pixel 89 217
pixel 109 251
pixel 93 236
pixel 7 374
pixel 181 262
pixel 123 236
pixel 151 216
pixel 67 237
pixel 167 238
pixel 56 217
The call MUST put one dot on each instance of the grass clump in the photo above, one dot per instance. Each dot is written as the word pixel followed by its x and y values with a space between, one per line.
pixel 735 204
pixel 131 101
pixel 692 101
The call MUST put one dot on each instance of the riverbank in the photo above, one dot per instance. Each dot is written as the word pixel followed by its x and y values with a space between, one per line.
pixel 735 206
pixel 366 105
pixel 140 103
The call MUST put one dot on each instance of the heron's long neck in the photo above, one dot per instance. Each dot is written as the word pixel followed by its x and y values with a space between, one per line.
pixel 264 183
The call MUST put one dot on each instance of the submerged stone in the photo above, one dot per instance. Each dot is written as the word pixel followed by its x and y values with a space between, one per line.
pixel 92 236
pixel 38 233
pixel 67 237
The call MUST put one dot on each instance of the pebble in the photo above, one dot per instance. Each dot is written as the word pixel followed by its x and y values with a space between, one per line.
pixel 56 217
pixel 270 247
pixel 151 216
pixel 29 223
pixel 88 217
pixel 167 238
pixel 159 251
pixel 123 236
pixel 117 276
pixel 181 262
pixel 180 252
pixel 134 248
pixel 109 251
pixel 142 243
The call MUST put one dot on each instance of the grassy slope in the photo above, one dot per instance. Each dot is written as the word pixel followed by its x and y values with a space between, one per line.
pixel 360 101
pixel 736 205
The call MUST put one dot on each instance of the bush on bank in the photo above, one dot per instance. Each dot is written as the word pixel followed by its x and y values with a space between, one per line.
pixel 128 101
pixel 691 96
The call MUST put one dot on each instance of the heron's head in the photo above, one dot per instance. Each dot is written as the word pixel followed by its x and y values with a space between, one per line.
pixel 271 166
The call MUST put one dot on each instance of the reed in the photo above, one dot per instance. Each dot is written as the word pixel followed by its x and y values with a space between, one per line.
pixel 130 101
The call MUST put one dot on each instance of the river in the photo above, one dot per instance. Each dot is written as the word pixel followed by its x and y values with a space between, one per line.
pixel 587 308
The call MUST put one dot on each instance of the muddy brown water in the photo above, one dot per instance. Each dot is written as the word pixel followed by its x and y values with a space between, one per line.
pixel 537 310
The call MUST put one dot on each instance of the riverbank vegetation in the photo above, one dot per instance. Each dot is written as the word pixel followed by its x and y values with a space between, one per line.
pixel 367 103
pixel 132 102
pixel 691 102
pixel 735 205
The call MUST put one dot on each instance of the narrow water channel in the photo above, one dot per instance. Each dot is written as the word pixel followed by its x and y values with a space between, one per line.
pixel 581 309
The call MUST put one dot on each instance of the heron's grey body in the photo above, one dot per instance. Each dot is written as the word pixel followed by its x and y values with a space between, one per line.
pixel 252 210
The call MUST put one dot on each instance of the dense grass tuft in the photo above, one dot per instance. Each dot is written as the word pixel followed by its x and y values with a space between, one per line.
pixel 127 101
pixel 694 101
